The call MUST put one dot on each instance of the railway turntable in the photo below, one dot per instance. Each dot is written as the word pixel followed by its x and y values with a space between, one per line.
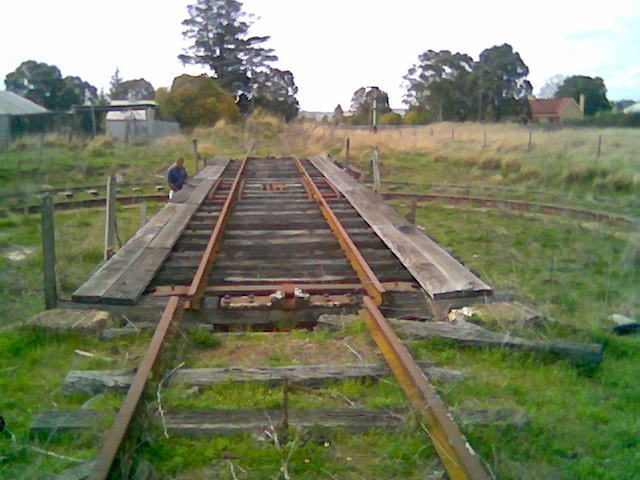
pixel 268 241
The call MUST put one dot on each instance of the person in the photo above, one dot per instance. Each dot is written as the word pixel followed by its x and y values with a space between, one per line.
pixel 176 177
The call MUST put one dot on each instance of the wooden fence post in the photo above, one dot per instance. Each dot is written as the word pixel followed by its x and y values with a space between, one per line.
pixel 599 149
pixel 143 214
pixel 376 170
pixel 529 144
pixel 347 147
pixel 484 139
pixel 110 219
pixel 49 254
pixel 194 143
pixel 412 213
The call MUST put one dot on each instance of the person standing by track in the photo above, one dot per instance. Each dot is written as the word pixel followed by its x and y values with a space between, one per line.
pixel 176 177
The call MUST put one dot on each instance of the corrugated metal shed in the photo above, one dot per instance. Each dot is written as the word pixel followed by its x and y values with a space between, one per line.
pixel 13 104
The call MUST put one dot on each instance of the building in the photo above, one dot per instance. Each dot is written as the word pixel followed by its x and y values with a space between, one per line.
pixel 130 121
pixel 13 106
pixel 556 109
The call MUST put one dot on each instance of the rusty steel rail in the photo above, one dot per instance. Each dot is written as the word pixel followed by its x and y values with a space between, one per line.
pixel 199 282
pixel 370 282
pixel 458 457
pixel 114 461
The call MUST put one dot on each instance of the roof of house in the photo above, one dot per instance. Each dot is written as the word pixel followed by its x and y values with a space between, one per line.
pixel 549 107
pixel 635 108
pixel 13 104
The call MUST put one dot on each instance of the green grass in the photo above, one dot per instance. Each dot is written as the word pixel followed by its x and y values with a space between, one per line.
pixel 573 274
pixel 582 425
pixel 79 244
pixel 397 455
pixel 33 364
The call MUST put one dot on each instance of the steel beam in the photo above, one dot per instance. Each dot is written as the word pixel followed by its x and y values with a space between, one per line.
pixel 114 460
pixel 199 282
pixel 456 454
pixel 369 280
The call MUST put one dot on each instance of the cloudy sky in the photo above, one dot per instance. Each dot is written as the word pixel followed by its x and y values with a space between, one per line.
pixel 333 47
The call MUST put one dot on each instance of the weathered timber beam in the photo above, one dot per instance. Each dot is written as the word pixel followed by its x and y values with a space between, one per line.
pixel 95 381
pixel 470 334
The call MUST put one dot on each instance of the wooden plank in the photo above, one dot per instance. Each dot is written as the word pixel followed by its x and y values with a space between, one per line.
pixel 95 381
pixel 108 274
pixel 174 227
pixel 103 279
pixel 225 422
pixel 470 334
pixel 435 269
pixel 129 288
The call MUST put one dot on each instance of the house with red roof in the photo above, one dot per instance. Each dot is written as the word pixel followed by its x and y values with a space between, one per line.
pixel 556 109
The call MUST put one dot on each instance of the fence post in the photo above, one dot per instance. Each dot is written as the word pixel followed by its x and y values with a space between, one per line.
pixel 529 144
pixel 143 214
pixel 194 143
pixel 484 139
pixel 453 134
pixel 110 219
pixel 412 213
pixel 49 254
pixel 599 149
pixel 347 147
pixel 376 170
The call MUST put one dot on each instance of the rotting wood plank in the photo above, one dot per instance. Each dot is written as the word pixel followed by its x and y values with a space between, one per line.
pixel 130 287
pixel 103 279
pixel 470 334
pixel 220 422
pixel 162 231
pixel 435 269
pixel 174 227
pixel 96 381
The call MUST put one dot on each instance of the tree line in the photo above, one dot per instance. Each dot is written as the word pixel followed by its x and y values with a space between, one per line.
pixel 441 85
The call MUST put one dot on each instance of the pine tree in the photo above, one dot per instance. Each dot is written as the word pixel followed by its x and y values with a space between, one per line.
pixel 114 83
pixel 219 35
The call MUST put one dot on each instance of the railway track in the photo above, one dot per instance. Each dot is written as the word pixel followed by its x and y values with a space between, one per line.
pixel 267 244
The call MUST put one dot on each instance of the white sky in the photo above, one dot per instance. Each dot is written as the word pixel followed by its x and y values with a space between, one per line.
pixel 333 47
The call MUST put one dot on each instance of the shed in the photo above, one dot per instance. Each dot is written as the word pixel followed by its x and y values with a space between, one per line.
pixel 137 120
pixel 555 109
pixel 13 105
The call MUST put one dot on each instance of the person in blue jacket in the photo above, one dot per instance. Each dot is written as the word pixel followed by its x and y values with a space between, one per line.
pixel 176 177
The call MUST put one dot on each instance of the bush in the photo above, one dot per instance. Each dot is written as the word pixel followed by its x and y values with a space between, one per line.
pixel 418 117
pixel 99 146
pixel 512 165
pixel 391 118
pixel 489 163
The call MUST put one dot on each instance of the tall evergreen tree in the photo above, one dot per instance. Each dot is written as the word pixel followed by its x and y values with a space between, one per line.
pixel 220 39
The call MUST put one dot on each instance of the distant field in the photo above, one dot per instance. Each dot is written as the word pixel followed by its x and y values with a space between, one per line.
pixel 559 160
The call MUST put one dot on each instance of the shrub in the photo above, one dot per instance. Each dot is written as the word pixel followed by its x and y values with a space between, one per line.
pixel 391 118
pixel 512 165
pixel 205 339
pixel 489 163
pixel 418 117
pixel 99 146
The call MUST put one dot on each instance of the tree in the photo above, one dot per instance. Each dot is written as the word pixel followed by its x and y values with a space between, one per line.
pixel 115 82
pixel 440 82
pixel 275 91
pixel 196 101
pixel 362 104
pixel 593 89
pixel 500 77
pixel 551 86
pixel 43 84
pixel 219 35
pixel 133 90
pixel 80 92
